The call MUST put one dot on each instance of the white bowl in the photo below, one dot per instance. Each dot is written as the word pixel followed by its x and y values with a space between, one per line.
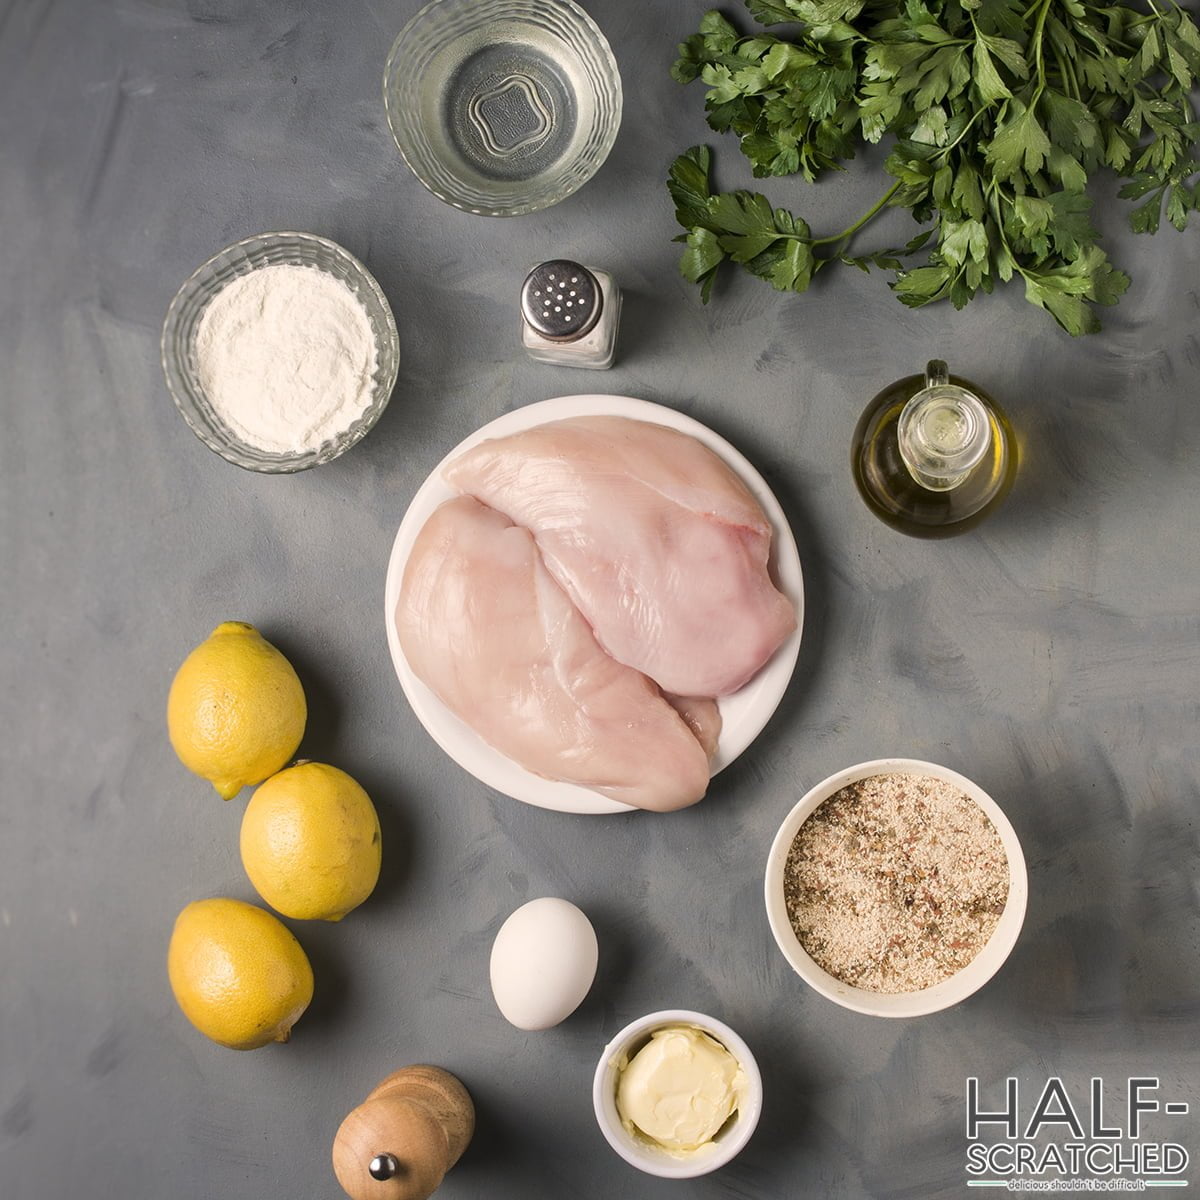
pixel 905 1004
pixel 640 1153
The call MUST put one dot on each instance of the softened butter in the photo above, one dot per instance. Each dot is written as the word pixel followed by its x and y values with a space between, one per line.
pixel 679 1089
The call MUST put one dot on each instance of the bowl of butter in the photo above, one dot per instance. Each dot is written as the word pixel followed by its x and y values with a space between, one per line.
pixel 677 1094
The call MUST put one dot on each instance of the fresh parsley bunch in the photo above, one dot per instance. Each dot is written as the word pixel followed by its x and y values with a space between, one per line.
pixel 1000 111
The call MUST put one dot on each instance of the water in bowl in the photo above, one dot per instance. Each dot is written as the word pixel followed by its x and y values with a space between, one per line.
pixel 512 109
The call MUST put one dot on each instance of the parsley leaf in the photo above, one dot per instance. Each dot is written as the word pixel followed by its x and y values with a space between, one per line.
pixel 741 226
pixel 1000 113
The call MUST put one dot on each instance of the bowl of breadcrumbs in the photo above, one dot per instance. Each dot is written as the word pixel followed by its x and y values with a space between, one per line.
pixel 896 887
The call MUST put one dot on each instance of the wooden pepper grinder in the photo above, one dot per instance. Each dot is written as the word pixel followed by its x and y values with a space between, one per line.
pixel 401 1140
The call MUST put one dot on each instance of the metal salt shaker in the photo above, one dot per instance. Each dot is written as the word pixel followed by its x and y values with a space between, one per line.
pixel 570 314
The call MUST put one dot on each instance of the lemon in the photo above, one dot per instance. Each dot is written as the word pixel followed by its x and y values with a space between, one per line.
pixel 236 710
pixel 310 842
pixel 237 972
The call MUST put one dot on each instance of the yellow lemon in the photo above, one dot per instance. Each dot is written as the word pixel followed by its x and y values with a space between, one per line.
pixel 310 842
pixel 236 710
pixel 238 973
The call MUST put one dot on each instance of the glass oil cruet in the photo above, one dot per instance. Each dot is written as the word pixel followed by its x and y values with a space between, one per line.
pixel 932 456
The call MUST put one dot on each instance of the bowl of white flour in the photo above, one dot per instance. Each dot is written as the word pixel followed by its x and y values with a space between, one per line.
pixel 280 352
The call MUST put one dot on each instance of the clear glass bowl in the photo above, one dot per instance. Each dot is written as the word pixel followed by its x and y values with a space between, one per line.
pixel 502 107
pixel 183 319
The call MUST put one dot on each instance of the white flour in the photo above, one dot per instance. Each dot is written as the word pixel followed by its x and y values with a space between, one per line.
pixel 285 355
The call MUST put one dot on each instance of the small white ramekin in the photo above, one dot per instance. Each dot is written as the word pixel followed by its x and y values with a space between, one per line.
pixel 641 1153
pixel 906 1004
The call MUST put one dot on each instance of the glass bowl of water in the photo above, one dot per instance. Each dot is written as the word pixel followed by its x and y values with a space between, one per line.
pixel 502 107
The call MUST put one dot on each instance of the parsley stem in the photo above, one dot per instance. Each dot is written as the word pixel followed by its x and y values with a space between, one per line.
pixel 944 152
pixel 1067 73
pixel 1038 39
pixel 870 215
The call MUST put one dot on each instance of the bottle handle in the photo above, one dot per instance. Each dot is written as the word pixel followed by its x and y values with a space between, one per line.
pixel 937 374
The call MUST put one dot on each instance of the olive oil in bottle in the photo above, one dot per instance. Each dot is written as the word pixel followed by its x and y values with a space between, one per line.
pixel 933 456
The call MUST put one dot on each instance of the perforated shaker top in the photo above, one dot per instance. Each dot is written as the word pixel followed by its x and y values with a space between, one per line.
pixel 561 300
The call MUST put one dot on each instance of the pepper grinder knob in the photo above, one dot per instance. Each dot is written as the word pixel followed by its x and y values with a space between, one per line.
pixel 400 1142
pixel 383 1167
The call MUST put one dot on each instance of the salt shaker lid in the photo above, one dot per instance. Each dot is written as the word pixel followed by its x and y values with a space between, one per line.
pixel 561 300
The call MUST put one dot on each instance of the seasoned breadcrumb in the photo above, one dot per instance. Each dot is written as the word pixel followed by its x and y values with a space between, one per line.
pixel 895 882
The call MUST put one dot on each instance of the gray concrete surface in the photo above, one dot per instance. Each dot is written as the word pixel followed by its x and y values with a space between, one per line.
pixel 1052 655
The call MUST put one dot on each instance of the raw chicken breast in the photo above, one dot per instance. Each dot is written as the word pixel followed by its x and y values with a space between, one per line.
pixel 702 716
pixel 487 628
pixel 655 539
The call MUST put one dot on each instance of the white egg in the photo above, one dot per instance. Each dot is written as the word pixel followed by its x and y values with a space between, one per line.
pixel 543 963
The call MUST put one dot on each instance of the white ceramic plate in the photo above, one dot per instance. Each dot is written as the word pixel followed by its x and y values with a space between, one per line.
pixel 743 714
